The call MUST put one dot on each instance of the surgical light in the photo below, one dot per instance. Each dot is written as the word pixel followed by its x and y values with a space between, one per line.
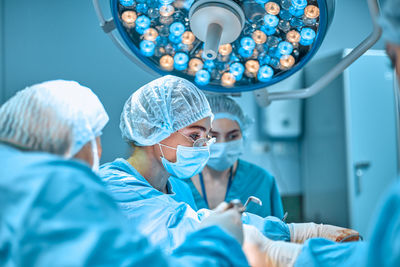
pixel 227 46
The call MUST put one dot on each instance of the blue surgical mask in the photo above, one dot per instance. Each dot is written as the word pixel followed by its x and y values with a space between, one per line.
pixel 189 160
pixel 224 155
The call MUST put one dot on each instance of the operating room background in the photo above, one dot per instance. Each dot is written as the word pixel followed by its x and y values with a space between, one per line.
pixel 53 39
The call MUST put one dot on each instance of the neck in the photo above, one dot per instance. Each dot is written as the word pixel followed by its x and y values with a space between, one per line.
pixel 219 175
pixel 145 162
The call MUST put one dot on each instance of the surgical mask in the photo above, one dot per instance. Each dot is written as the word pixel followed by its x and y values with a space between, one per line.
pixel 189 160
pixel 224 155
pixel 96 160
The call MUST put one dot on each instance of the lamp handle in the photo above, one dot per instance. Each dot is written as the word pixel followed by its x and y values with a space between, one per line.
pixel 264 98
pixel 108 27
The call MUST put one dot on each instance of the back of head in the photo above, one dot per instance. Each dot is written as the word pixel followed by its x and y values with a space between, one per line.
pixel 160 108
pixel 390 20
pixel 58 117
pixel 225 107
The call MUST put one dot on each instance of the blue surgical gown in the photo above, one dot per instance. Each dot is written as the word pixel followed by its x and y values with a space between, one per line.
pixel 57 213
pixel 250 180
pixel 162 218
pixel 383 249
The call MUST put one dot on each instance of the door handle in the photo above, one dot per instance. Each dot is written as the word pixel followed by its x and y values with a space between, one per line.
pixel 359 170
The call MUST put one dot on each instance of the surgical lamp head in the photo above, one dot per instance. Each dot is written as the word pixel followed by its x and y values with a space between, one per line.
pixel 224 46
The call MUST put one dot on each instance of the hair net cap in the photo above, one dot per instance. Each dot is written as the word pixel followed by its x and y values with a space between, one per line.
pixel 390 20
pixel 58 117
pixel 160 108
pixel 225 107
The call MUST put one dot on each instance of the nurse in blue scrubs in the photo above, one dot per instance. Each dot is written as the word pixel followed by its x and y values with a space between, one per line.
pixel 228 177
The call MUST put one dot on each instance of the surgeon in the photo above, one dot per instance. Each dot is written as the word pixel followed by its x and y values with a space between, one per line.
pixel 55 210
pixel 167 122
pixel 226 177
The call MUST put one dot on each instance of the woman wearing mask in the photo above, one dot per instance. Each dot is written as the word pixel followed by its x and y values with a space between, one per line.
pixel 227 177
pixel 167 122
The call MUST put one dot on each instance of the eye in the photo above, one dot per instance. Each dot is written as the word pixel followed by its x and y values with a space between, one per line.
pixel 194 136
pixel 232 136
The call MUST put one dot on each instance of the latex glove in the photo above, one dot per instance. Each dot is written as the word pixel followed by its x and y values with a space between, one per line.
pixel 300 232
pixel 274 253
pixel 227 218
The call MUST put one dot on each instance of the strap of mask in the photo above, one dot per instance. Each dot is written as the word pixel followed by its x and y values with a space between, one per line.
pixel 96 160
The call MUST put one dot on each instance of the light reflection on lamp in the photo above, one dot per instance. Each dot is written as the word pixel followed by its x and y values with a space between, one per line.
pixel 286 62
pixel 129 17
pixel 150 34
pixel 259 37
pixel 272 8
pixel 228 79
pixel 167 62
pixel 195 64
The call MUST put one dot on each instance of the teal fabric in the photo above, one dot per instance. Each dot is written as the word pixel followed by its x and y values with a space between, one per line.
pixel 325 253
pixel 57 213
pixel 157 215
pixel 181 192
pixel 383 249
pixel 250 180
pixel 162 217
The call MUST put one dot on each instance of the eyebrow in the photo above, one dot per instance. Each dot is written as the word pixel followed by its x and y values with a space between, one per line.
pixel 230 132
pixel 233 131
pixel 201 128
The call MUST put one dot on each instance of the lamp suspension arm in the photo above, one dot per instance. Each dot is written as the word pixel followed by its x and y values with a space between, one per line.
pixel 341 66
pixel 108 27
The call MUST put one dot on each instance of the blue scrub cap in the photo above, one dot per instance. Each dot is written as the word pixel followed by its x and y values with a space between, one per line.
pixel 390 20
pixel 58 117
pixel 160 108
pixel 225 107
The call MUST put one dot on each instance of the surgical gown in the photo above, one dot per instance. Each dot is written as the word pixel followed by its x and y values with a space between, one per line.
pixel 250 180
pixel 383 249
pixel 57 213
pixel 159 216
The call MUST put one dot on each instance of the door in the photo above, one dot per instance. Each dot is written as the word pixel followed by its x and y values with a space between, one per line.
pixel 370 134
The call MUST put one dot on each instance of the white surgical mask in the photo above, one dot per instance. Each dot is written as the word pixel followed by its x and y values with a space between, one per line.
pixel 224 155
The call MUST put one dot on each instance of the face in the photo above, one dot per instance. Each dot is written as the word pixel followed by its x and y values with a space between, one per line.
pixel 85 153
pixel 225 130
pixel 393 52
pixel 184 137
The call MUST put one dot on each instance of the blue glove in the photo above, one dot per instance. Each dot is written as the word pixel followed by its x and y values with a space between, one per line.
pixel 271 227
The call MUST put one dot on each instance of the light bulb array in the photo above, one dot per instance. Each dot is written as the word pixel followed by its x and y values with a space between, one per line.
pixel 266 48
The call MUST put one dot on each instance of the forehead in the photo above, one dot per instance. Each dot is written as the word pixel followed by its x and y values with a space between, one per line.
pixel 202 125
pixel 224 125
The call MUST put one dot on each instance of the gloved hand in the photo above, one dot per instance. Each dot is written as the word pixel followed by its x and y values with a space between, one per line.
pixel 227 218
pixel 273 253
pixel 300 232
